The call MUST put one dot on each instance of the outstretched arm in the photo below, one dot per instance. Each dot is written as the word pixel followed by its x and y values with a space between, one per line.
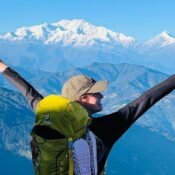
pixel 136 108
pixel 112 126
pixel 33 96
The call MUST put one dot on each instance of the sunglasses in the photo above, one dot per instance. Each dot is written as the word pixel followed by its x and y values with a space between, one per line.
pixel 98 94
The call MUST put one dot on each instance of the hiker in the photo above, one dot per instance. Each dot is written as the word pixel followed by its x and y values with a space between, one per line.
pixel 88 93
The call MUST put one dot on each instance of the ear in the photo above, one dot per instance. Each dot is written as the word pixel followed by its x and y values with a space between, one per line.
pixel 82 99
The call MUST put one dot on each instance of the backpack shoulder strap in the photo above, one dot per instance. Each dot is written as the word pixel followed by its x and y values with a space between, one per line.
pixel 71 169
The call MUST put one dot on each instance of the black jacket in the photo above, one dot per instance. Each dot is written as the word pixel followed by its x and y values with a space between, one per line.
pixel 108 128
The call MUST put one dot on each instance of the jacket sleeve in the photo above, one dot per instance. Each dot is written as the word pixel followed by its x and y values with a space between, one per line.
pixel 112 126
pixel 31 94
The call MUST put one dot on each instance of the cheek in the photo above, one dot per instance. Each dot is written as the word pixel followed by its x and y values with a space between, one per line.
pixel 92 100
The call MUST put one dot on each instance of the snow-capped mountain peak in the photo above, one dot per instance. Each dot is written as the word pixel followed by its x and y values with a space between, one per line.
pixel 163 39
pixel 74 25
pixel 166 35
pixel 38 32
pixel 86 33
pixel 69 32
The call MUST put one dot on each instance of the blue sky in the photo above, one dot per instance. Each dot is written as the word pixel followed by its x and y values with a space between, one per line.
pixel 141 19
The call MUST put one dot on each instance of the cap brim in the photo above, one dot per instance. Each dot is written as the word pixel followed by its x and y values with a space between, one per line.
pixel 99 86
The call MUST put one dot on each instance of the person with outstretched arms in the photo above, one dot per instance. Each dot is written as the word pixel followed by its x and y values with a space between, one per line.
pixel 88 93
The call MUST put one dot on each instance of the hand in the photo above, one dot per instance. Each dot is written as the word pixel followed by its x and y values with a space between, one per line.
pixel 3 66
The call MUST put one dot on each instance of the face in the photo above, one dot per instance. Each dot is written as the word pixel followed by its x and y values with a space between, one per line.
pixel 92 102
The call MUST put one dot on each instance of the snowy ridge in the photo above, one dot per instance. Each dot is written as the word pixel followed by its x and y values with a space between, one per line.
pixel 70 32
pixel 161 40
pixel 72 43
pixel 80 33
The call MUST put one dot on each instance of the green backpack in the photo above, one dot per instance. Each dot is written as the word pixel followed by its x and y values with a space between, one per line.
pixel 54 156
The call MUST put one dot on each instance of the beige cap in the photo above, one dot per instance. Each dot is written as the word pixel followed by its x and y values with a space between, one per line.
pixel 81 84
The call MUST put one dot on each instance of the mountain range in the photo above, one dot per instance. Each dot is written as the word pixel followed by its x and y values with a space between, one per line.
pixel 77 43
